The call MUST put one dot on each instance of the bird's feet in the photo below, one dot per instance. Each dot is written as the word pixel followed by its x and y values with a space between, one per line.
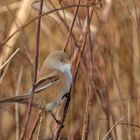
pixel 67 95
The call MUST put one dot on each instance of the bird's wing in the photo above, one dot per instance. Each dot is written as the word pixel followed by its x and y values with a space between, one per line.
pixel 45 82
pixel 42 84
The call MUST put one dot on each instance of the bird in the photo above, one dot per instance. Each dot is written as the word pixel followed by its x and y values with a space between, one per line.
pixel 55 79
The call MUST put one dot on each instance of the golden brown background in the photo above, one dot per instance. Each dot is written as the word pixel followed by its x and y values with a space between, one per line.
pixel 115 75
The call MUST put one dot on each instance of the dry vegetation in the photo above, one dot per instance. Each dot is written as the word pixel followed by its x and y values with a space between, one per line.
pixel 104 42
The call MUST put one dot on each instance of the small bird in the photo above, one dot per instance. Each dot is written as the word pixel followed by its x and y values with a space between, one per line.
pixel 55 79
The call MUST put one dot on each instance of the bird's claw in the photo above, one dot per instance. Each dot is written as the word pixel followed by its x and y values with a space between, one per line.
pixel 67 95
pixel 59 122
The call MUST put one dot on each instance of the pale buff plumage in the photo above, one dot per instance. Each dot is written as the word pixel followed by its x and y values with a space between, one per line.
pixel 54 82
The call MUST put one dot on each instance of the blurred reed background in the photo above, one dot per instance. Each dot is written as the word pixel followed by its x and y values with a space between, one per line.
pixel 105 100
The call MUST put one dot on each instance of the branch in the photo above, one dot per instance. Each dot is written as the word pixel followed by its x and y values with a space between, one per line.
pixel 35 73
pixel 60 126
pixel 6 62
pixel 44 14
pixel 113 127
pixel 90 76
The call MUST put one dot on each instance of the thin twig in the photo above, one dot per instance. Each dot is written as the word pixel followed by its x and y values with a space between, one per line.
pixel 35 73
pixel 4 73
pixel 20 18
pixel 60 126
pixel 1 67
pixel 113 127
pixel 16 105
pixel 44 14
pixel 39 118
pixel 89 92
pixel 131 124
pixel 58 130
pixel 72 24
pixel 39 129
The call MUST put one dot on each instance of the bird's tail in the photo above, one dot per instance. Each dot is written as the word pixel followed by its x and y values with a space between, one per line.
pixel 23 99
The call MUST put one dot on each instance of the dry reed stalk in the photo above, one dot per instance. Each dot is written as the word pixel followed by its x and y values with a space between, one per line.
pixel 136 49
pixel 2 43
pixel 9 59
pixel 58 129
pixel 35 73
pixel 38 120
pixel 65 18
pixel 130 13
pixel 106 104
pixel 87 115
pixel 106 136
pixel 4 73
pixel 129 118
pixel 16 104
pixel 72 25
pixel 20 19
pixel 99 133
pixel 76 67
pixel 57 17
pixel 12 6
pixel 116 89
pixel 131 124
pixel 122 105
pixel 39 129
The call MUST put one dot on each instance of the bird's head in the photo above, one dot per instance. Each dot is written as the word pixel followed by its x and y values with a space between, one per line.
pixel 59 60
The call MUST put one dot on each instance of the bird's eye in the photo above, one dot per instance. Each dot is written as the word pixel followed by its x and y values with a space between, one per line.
pixel 61 60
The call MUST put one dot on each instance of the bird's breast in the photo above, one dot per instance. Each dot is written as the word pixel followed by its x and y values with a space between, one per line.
pixel 68 76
